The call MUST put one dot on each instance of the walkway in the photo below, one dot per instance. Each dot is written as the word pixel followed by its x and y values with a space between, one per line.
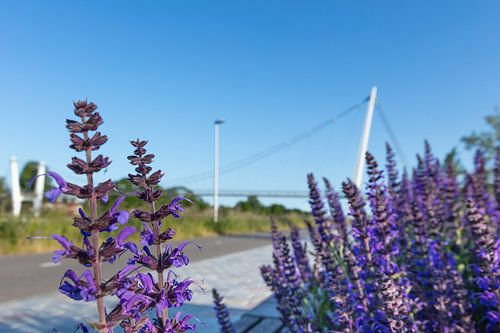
pixel 236 276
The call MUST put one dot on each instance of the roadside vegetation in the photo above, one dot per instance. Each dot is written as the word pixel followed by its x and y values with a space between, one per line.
pixel 25 234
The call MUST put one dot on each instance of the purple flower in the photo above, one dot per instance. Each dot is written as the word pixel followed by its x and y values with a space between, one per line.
pixel 175 207
pixel 124 234
pixel 179 325
pixel 175 257
pixel 181 293
pixel 144 258
pixel 113 247
pixel 105 198
pixel 148 327
pixel 66 244
pixel 78 288
pixel 83 223
pixel 483 282
pixel 120 216
pixel 72 251
pixel 494 318
pixel 488 299
pixel 147 235
pixel 136 304
pixel 110 220
pixel 83 327
pixel 56 192
pixel 120 277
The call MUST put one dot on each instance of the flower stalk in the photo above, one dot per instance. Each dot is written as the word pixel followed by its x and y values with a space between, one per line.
pixel 136 293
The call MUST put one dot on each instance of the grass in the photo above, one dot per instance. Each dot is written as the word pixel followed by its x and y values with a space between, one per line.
pixel 15 232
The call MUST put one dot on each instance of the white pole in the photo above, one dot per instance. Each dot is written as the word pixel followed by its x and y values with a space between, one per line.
pixel 363 146
pixel 39 186
pixel 16 196
pixel 217 123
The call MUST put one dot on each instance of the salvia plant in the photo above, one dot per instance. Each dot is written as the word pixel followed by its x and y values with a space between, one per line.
pixel 145 288
pixel 222 313
pixel 413 252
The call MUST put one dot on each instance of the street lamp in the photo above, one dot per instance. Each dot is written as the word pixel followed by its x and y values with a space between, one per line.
pixel 217 123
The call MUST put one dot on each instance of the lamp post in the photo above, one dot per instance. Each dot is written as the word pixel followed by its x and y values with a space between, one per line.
pixel 217 124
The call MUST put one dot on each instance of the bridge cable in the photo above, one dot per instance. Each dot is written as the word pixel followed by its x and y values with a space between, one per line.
pixel 392 136
pixel 271 150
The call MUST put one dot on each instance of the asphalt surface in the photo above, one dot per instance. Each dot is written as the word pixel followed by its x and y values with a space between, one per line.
pixel 29 275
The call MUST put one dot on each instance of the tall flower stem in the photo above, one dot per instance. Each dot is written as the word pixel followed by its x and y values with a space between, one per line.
pixel 156 230
pixel 96 263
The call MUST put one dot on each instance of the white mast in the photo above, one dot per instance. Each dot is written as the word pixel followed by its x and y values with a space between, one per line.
pixel 363 146
pixel 39 185
pixel 16 195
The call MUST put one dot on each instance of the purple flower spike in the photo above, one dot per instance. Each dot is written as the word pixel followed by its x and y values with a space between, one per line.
pixel 222 313
pixel 143 294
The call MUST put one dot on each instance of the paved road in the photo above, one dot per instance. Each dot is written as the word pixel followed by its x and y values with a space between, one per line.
pixel 30 275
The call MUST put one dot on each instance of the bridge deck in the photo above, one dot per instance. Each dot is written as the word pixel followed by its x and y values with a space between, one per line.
pixel 247 193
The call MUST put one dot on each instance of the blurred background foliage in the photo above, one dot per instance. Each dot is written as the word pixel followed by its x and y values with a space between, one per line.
pixel 247 216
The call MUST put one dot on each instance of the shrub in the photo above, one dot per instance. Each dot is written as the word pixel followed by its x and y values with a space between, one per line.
pixel 417 253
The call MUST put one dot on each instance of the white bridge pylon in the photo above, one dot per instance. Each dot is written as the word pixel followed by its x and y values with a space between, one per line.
pixel 18 197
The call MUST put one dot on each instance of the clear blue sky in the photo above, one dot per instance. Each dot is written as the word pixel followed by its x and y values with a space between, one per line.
pixel 165 70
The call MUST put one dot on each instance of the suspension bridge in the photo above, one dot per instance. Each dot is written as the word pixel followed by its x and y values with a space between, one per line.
pixel 213 175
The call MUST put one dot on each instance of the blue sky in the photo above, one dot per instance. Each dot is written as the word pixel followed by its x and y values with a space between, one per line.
pixel 165 70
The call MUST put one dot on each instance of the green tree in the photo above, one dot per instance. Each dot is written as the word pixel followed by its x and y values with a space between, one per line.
pixel 4 198
pixel 485 140
pixel 3 185
pixel 29 171
pixel 277 209
pixel 453 160
pixel 252 204
pixel 125 186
